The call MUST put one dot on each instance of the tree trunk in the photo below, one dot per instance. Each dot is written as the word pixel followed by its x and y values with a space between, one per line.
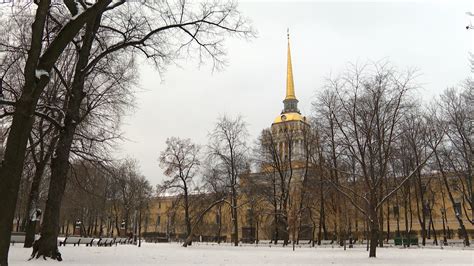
pixel 256 230
pixel 421 212
pixel 101 227
pixel 139 228
pixel 380 240
pixel 435 235
pixel 95 224
pixel 186 212
pixel 320 228
pixel 235 225
pixel 33 204
pixel 374 224
pixel 22 122
pixel 59 171
pixel 11 170
pixel 388 221
pixel 374 239
pixel 322 214
pixel 374 233
pixel 275 235
pixel 286 226
pixel 67 228
pixel 219 223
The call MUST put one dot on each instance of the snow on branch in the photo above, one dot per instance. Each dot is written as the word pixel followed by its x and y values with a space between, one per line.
pixel 41 72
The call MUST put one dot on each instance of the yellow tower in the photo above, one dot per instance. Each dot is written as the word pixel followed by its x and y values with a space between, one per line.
pixel 290 110
pixel 290 85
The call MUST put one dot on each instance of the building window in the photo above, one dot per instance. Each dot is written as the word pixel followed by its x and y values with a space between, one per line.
pixel 218 218
pixel 159 205
pixel 158 220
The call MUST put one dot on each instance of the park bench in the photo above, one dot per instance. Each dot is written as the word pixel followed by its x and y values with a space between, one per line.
pixel 95 242
pixel 405 241
pixel 327 242
pixel 20 238
pixel 17 239
pixel 122 240
pixel 106 242
pixel 86 240
pixel 455 242
pixel 71 240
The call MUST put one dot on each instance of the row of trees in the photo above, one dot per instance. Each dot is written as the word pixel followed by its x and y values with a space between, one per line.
pixel 98 200
pixel 226 161
pixel 110 202
pixel 68 79
pixel 370 153
pixel 380 142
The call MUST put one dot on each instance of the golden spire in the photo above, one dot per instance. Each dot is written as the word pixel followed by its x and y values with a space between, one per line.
pixel 290 86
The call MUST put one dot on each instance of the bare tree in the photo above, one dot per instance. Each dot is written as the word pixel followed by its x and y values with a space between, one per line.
pixel 144 193
pixel 180 161
pixel 372 102
pixel 277 166
pixel 227 145
pixel 458 112
pixel 215 183
pixel 330 153
pixel 454 160
pixel 412 145
pixel 310 161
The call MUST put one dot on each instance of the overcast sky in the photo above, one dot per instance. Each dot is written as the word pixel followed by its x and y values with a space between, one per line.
pixel 325 36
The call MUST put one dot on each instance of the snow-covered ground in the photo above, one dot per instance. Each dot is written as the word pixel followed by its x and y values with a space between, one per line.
pixel 224 254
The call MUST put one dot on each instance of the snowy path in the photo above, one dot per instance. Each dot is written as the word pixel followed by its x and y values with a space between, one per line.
pixel 174 254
